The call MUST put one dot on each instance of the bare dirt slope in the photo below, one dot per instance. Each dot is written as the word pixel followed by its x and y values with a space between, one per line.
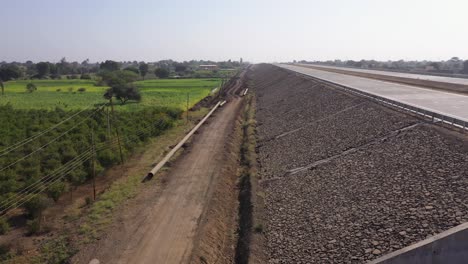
pixel 163 230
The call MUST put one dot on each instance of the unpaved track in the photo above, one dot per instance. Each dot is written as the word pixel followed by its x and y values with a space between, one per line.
pixel 168 231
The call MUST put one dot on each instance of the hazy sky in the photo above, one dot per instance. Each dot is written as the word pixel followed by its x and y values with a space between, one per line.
pixel 256 30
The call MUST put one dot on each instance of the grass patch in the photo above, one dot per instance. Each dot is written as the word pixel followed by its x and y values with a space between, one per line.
pixel 258 228
pixel 100 214
pixel 247 159
pixel 56 251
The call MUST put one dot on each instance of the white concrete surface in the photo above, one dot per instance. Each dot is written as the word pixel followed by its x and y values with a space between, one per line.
pixel 400 74
pixel 449 247
pixel 445 103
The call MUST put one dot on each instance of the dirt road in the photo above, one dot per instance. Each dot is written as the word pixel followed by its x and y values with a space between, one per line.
pixel 164 231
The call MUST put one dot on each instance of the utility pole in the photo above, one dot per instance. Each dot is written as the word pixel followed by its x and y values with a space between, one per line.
pixel 117 131
pixel 93 163
pixel 108 126
pixel 220 92
pixel 187 108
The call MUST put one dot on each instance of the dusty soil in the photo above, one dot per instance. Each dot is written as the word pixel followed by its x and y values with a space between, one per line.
pixel 347 180
pixel 162 225
pixel 216 235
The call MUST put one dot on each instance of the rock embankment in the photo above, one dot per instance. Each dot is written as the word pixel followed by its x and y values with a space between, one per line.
pixel 347 180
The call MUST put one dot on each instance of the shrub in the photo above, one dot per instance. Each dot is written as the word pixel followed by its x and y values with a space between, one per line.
pixel 72 77
pixel 58 90
pixel 174 113
pixel 70 89
pixel 88 201
pixel 35 206
pixel 161 73
pixel 4 226
pixel 107 157
pixel 85 76
pixel 5 252
pixel 81 89
pixel 258 228
pixel 33 226
pixel 55 190
pixel 58 250
pixel 31 87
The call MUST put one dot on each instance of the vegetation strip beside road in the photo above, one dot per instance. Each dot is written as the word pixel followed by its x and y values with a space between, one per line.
pixel 87 220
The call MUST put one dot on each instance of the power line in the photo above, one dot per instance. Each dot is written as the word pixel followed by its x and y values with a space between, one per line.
pixel 76 162
pixel 80 159
pixel 15 146
pixel 29 196
pixel 48 143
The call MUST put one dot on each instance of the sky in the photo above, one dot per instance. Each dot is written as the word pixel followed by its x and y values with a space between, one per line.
pixel 255 30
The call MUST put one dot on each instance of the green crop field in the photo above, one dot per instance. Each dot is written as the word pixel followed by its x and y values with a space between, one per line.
pixel 64 93
pixel 46 134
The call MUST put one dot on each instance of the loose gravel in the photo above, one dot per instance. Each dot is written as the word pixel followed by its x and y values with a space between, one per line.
pixel 397 188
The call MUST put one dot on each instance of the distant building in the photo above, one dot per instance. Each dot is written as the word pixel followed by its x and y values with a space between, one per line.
pixel 211 67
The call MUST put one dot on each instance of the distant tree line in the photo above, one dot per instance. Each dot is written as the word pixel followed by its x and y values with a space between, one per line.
pixel 86 69
pixel 454 65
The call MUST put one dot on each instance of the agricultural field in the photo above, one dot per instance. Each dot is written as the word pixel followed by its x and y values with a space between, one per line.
pixel 65 94
pixel 47 135
pixel 222 73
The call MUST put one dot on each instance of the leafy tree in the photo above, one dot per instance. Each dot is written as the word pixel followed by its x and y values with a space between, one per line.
pixel 118 78
pixel 107 157
pixel 110 65
pixel 9 72
pixel 132 69
pixel 161 73
pixel 465 67
pixel 180 67
pixel 55 190
pixel 31 87
pixel 120 85
pixel 123 93
pixel 63 67
pixel 53 69
pixel 85 76
pixel 436 65
pixel 143 69
pixel 43 69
